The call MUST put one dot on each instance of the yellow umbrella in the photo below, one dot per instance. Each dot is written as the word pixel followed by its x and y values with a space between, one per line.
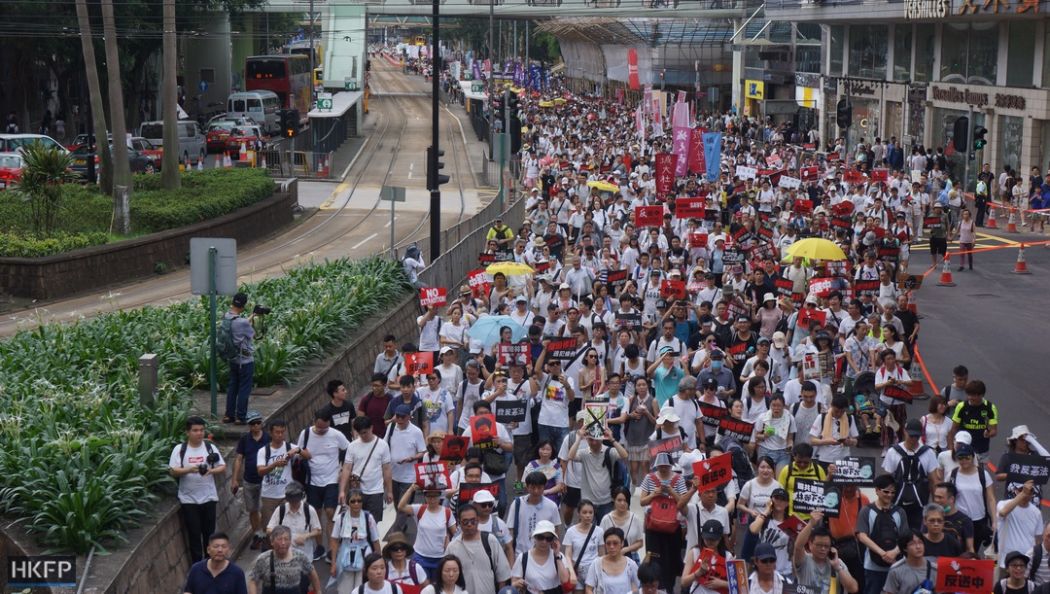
pixel 546 104
pixel 816 248
pixel 603 186
pixel 510 268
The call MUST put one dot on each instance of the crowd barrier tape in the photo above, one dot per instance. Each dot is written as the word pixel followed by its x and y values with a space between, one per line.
pixel 953 253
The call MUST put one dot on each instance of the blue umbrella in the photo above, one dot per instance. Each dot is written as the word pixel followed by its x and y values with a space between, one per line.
pixel 487 328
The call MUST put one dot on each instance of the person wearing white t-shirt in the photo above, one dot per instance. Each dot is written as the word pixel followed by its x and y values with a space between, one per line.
pixel 530 511
pixel 272 461
pixel 688 410
pixel 299 517
pixel 194 463
pixel 429 328
pixel 321 446
pixel 407 447
pixel 1021 522
pixel 541 567
pixel 834 432
pixel 368 459
pixel 556 391
pixel 438 406
pixel 435 525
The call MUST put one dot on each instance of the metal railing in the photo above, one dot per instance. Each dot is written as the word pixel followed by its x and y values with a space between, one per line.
pixel 301 164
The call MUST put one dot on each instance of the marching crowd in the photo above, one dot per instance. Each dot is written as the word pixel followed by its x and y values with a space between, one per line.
pixel 693 366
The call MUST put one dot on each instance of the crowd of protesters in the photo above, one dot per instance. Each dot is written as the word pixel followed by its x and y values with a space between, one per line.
pixel 643 353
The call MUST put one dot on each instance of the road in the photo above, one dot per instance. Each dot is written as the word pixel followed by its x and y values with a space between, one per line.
pixel 345 218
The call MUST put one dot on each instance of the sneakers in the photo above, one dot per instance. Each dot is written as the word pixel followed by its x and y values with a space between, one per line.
pixel 319 553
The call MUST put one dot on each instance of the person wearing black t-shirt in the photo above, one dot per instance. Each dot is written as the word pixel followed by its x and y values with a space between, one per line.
pixel 1016 580
pixel 938 542
pixel 341 409
pixel 977 416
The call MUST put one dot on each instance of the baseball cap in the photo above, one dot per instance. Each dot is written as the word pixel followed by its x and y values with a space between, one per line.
pixel 1014 555
pixel 717 354
pixel 779 493
pixel 240 299
pixel 963 450
pixel 521 299
pixel 779 339
pixel 765 551
pixel 253 416
pixel 913 427
pixel 446 349
pixel 484 496
pixel 711 383
pixel 564 286
pixel 402 410
pixel 963 437
pixel 712 529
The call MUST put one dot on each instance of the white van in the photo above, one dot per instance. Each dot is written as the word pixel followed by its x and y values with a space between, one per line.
pixel 261 106
pixel 192 142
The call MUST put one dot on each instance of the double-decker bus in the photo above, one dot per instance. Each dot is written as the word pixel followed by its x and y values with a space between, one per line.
pixel 287 75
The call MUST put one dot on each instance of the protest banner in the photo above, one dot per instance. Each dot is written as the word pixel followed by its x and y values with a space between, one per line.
pixel 852 176
pixel 698 239
pixel 689 208
pixel 433 296
pixel 595 424
pixel 616 279
pixel 510 411
pixel 672 289
pixel 712 413
pixel 480 282
pixel 713 472
pixel 854 470
pixel 791 526
pixel 1020 468
pixel 665 166
pixel 897 393
pixel 809 173
pixel 716 566
pixel 784 285
pixel 880 175
pixel 803 206
pixel 866 287
pixel 806 315
pixel 563 349
pixel 468 490
pixel 824 286
pixel 432 475
pixel 774 161
pixel 790 183
pixel 965 576
pixel 933 223
pixel 483 431
pixel 811 495
pixel 648 216
pixel 513 353
pixel 733 256
pixel 741 428
pixel 486 258
pixel 744 172
pixel 454 447
pixel 420 363
pixel 666 445
pixel 841 222
pixel 736 575
pixel 629 321
pixel 909 282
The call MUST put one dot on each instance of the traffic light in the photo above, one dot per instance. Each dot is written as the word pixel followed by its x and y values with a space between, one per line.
pixel 960 133
pixel 978 137
pixel 515 124
pixel 289 122
pixel 844 113
pixel 434 176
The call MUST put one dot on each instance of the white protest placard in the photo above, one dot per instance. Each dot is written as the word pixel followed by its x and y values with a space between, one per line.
pixel 791 183
pixel 744 172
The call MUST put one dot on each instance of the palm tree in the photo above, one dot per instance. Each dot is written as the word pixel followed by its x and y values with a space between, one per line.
pixel 121 165
pixel 169 170
pixel 98 112
pixel 46 170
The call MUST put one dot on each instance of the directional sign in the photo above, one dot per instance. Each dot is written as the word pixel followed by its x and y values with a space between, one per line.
pixel 392 193
pixel 324 102
pixel 202 85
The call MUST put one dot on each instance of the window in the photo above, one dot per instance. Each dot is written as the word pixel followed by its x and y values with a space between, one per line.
pixel 152 130
pixel 265 68
pixel 867 51
pixel 254 105
pixel 836 34
pixel 1020 56
pixel 208 75
pixel 925 45
pixel 238 106
pixel 970 53
pixel 807 58
pixel 902 42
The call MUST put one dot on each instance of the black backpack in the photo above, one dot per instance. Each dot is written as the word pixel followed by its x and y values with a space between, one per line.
pixel 208 446
pixel 884 527
pixel 910 476
pixel 306 512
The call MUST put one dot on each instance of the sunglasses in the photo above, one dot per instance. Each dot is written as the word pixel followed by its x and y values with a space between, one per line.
pixel 468 521
pixel 357 501
pixel 399 549
pixel 546 537
pixel 484 504
pixel 767 560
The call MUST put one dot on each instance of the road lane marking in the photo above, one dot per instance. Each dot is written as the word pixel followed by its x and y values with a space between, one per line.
pixel 364 241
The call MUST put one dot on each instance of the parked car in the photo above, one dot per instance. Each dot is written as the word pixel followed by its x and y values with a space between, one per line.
pixel 11 165
pixel 140 163
pixel 192 141
pixel 149 149
pixel 81 140
pixel 251 137
pixel 10 143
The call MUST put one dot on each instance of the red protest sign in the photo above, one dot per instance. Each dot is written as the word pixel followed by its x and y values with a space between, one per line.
pixel 897 393
pixel 616 278
pixel 866 287
pixel 420 363
pixel 514 353
pixel 433 296
pixel 672 289
pixel 454 447
pixel 774 161
pixel 742 429
pixel 792 526
pixel 966 576
pixel 713 472
pixel 784 285
pixel 689 208
pixel 648 216
pixel 467 491
pixel 809 173
pixel 665 170
pixel 852 176
pixel 712 411
pixel 803 206
pixel 811 314
pixel 563 349
pixel 483 430
pixel 697 240
pixel 432 475
pixel 880 175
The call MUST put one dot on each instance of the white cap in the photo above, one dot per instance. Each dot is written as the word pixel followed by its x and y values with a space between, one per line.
pixel 445 349
pixel 667 413
pixel 484 496
pixel 544 527
pixel 963 437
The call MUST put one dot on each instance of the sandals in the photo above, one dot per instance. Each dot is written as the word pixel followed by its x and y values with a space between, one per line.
pixel 227 420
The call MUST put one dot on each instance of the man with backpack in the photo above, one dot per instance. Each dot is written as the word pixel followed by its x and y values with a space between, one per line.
pixel 273 463
pixel 322 448
pixel 977 416
pixel 194 463
pixel 880 525
pixel 914 468
pixel 248 447
pixel 301 518
pixel 528 511
pixel 234 345
pixel 488 568
pixel 598 462
pixel 914 573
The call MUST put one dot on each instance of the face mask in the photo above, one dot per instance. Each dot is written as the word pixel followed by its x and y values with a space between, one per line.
pixel 716 365
pixel 947 508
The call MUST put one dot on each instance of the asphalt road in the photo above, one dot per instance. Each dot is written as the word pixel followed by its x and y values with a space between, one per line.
pixel 341 219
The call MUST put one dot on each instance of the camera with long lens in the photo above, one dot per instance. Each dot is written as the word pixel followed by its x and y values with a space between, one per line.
pixel 211 461
pixel 260 310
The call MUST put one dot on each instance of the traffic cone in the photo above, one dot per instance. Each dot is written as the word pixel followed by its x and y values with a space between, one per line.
pixel 200 164
pixel 263 159
pixel 1021 267
pixel 242 155
pixel 991 223
pixel 1011 223
pixel 218 161
pixel 226 161
pixel 946 274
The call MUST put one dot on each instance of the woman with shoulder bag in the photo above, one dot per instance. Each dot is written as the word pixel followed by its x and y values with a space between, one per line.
pixel 355 535
pixel 613 573
pixel 543 569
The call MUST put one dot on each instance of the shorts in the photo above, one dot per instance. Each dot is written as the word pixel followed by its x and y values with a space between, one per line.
pixel 326 496
pixel 252 496
pixel 938 245
pixel 572 497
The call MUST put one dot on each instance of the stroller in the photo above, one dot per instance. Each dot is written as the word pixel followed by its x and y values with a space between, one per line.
pixel 866 411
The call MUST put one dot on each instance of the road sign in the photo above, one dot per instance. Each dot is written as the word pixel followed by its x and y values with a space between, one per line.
pixel 392 193
pixel 225 265
pixel 324 102
pixel 202 85
pixel 349 84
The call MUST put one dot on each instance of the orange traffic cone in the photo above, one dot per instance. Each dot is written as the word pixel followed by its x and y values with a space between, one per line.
pixel 991 222
pixel 1011 223
pixel 200 164
pixel 1021 267
pixel 218 161
pixel 946 274
pixel 242 155
pixel 226 161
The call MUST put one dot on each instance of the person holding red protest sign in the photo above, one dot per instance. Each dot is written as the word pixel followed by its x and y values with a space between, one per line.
pixel 704 569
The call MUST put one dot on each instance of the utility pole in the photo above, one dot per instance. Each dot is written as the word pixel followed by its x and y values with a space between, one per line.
pixel 432 166
pixel 967 152
pixel 313 91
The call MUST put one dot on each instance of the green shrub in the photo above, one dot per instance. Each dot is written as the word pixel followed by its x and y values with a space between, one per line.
pixel 19 246
pixel 82 457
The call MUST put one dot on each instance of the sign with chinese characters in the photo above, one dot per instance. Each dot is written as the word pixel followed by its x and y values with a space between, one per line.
pixel 713 472
pixel 854 470
pixel 979 7
pixel 966 576
pixel 666 163
pixel 1021 468
pixel 811 495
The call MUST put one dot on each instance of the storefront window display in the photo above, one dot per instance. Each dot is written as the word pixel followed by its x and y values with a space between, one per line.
pixel 1009 142
pixel 970 53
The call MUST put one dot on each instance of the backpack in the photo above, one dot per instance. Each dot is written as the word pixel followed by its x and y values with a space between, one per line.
pixel 618 473
pixel 884 526
pixel 1029 585
pixel 423 509
pixel 207 446
pixel 225 347
pixel 301 466
pixel 488 553
pixel 525 566
pixel 306 512
pixel 980 476
pixel 909 473
pixel 798 405
pixel 663 511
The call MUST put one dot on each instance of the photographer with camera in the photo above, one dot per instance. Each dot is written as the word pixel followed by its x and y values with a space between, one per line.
pixel 817 567
pixel 194 463
pixel 237 334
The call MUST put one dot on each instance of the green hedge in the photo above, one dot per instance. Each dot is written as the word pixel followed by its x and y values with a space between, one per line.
pixel 81 457
pixel 85 216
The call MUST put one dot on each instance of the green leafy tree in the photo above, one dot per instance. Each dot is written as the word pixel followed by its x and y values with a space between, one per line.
pixel 46 170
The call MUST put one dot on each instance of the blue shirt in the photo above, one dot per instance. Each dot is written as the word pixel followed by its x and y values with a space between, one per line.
pixel 249 448
pixel 665 382
pixel 230 581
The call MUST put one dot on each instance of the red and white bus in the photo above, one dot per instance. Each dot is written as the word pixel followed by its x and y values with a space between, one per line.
pixel 287 75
